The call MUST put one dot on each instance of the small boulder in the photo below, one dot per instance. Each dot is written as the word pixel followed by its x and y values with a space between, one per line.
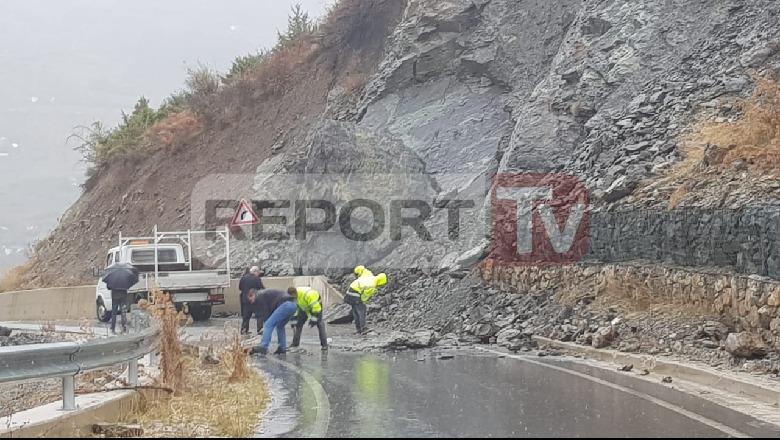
pixel 416 340
pixel 715 330
pixel 603 337
pixel 339 314
pixel 745 345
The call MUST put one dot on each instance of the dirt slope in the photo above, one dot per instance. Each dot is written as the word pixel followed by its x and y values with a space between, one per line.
pixel 242 127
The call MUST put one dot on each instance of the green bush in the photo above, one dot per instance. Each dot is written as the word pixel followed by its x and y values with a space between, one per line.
pixel 202 81
pixel 242 65
pixel 99 145
pixel 298 24
pixel 175 103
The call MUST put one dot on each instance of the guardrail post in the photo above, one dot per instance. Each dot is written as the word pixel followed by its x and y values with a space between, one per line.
pixel 69 393
pixel 132 372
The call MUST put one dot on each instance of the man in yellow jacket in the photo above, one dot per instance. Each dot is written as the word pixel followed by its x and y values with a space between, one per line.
pixel 360 291
pixel 309 307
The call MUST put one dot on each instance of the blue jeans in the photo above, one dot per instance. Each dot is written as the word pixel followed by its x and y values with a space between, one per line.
pixel 278 320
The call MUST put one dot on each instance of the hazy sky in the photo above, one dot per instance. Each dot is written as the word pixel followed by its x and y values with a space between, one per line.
pixel 65 63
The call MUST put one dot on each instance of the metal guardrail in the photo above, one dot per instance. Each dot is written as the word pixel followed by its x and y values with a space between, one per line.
pixel 67 359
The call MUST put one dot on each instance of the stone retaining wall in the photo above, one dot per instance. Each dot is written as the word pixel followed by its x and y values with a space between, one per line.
pixel 746 303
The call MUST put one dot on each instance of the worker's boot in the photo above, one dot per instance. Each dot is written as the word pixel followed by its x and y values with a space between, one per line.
pixel 259 350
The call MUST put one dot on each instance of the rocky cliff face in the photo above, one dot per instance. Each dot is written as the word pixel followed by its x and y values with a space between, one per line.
pixel 601 90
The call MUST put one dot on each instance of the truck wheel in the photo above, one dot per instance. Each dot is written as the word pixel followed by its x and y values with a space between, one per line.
pixel 200 313
pixel 103 314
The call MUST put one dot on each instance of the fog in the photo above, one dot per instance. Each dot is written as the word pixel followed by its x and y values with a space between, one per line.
pixel 65 63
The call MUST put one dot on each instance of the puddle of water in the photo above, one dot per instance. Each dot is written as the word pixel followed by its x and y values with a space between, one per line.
pixel 281 417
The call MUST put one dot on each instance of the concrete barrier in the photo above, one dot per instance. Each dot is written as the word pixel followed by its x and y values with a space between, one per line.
pixel 75 303
pixel 50 421
pixel 59 303
pixel 330 295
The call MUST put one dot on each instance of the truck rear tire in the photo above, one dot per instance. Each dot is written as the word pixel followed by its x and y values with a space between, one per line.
pixel 200 313
pixel 103 314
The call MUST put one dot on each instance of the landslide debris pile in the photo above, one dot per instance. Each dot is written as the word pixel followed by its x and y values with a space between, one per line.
pixel 460 311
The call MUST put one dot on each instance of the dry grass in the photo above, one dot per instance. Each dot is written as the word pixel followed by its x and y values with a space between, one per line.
pixel 214 405
pixel 711 150
pixel 13 279
pixel 238 357
pixel 223 398
pixel 213 397
pixel 172 359
pixel 177 128
pixel 273 75
pixel 754 138
pixel 678 195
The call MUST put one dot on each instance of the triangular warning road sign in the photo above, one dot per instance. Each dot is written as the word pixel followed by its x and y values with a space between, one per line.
pixel 244 215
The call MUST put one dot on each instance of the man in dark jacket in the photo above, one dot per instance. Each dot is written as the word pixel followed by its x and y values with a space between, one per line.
pixel 119 278
pixel 275 308
pixel 249 281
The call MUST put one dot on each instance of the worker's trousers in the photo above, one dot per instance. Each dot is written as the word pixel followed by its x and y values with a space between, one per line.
pixel 358 310
pixel 246 317
pixel 301 321
pixel 120 303
pixel 278 319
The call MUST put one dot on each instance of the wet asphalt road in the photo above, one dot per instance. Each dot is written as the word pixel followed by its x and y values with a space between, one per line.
pixel 476 394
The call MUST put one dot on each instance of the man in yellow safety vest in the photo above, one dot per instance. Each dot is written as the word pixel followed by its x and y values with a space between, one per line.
pixel 360 291
pixel 309 306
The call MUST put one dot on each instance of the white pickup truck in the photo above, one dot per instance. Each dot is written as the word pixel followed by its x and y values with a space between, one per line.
pixel 195 291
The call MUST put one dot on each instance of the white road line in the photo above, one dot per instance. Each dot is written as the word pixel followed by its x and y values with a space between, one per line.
pixel 682 411
pixel 322 421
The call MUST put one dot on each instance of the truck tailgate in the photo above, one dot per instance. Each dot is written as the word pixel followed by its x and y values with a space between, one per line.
pixel 190 297
pixel 173 281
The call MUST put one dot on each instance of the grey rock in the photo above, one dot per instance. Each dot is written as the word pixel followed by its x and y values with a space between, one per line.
pixel 739 165
pixel 736 85
pixel 485 330
pixel 745 345
pixel 620 188
pixel 339 314
pixel 416 340
pixel 603 337
pixel 469 258
pixel 757 56
pixel 706 343
pixel 506 337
